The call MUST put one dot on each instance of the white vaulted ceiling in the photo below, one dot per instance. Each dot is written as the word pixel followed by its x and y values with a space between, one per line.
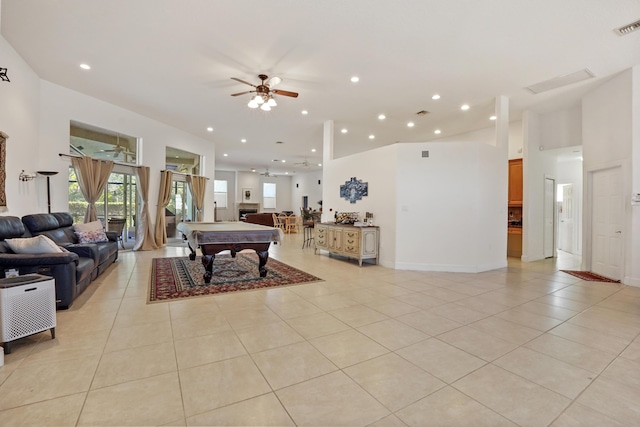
pixel 173 61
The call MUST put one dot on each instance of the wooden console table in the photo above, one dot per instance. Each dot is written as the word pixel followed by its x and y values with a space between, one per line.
pixel 348 240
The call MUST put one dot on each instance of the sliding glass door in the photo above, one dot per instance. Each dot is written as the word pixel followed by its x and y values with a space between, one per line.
pixel 118 200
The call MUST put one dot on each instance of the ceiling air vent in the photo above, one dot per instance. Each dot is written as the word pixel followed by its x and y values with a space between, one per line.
pixel 565 80
pixel 623 31
pixel 422 113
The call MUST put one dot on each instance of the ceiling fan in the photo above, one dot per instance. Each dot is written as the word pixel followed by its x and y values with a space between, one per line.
pixel 304 163
pixel 119 149
pixel 268 174
pixel 264 92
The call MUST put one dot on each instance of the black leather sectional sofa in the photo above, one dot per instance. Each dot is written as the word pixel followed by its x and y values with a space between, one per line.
pixel 74 270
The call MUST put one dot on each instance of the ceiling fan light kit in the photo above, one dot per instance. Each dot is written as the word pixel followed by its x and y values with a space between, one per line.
pixel 263 97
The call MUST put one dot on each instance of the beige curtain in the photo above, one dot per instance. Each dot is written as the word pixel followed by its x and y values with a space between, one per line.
pixel 92 177
pixel 164 197
pixel 197 185
pixel 144 237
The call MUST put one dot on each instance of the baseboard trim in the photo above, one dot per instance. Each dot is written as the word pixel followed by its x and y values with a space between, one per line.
pixel 450 268
pixel 631 281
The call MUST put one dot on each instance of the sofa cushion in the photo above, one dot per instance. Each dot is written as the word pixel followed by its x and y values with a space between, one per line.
pixel 64 218
pixel 10 227
pixel 93 236
pixel 89 226
pixel 37 223
pixel 33 245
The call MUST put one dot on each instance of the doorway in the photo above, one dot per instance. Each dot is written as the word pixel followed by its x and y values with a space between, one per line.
pixel 607 252
pixel 565 218
pixel 549 232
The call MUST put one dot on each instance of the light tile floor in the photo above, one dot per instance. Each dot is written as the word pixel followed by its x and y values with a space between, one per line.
pixel 524 345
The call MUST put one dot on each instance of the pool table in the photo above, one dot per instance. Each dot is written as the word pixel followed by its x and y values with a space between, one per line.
pixel 215 237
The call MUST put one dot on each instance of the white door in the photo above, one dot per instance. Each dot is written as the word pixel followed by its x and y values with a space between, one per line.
pixel 565 215
pixel 606 229
pixel 549 216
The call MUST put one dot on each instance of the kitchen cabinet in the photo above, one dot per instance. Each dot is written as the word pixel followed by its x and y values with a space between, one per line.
pixel 347 240
pixel 514 242
pixel 515 182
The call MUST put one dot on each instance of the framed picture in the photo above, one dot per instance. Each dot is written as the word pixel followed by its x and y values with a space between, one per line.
pixel 246 194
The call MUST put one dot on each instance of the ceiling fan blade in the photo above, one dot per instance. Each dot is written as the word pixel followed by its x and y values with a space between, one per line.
pixel 242 93
pixel 285 93
pixel 242 81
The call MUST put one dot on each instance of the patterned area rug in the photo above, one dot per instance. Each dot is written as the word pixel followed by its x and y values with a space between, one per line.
pixel 177 278
pixel 589 276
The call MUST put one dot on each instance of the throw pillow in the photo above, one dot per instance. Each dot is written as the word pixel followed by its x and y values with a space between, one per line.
pixel 89 226
pixel 95 236
pixel 33 245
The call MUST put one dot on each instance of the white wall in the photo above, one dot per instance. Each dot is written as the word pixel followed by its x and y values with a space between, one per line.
pixel 562 128
pixel 379 168
pixel 306 184
pixel 538 164
pixel 36 115
pixel 445 212
pixel 633 277
pixel 19 118
pixel 59 105
pixel 452 207
pixel 254 181
pixel 515 140
pixel 610 116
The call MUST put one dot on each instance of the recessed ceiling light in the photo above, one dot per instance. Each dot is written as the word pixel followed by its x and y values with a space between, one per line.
pixel 344 131
pixel 410 124
pixel 253 170
pixel 286 173
pixel 243 140
pixel 209 129
pixel 492 118
pixel 355 79
pixel 372 136
pixel 464 107
pixel 319 164
pixel 226 155
pixel 305 112
pixel 313 150
pixel 437 131
pixel 284 161
pixel 435 96
pixel 85 66
pixel 382 117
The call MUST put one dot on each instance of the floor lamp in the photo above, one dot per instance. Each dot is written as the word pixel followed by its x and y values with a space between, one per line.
pixel 48 174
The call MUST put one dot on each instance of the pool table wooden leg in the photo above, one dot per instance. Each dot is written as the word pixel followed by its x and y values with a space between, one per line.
pixel 263 257
pixel 207 262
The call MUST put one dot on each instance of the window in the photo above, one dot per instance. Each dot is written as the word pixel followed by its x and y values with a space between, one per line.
pixel 87 140
pixel 269 195
pixel 220 193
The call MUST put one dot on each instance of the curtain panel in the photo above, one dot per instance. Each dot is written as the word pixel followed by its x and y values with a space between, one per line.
pixel 92 175
pixel 144 238
pixel 164 197
pixel 197 186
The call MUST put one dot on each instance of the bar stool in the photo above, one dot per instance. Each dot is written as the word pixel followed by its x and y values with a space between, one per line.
pixel 307 236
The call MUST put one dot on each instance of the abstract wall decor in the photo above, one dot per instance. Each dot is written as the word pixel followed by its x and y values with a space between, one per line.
pixel 3 173
pixel 354 190
pixel 3 75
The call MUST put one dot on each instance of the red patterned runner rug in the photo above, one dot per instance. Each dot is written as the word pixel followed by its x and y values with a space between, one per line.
pixel 589 276
pixel 178 278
